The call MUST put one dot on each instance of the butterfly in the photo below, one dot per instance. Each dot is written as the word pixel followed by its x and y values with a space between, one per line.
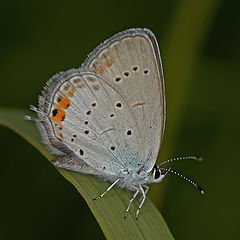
pixel 107 117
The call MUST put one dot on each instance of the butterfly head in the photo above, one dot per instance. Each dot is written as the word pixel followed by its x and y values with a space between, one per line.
pixel 156 175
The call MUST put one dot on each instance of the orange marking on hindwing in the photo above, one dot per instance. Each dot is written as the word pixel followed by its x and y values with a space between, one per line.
pixel 81 85
pixel 63 103
pixel 58 115
pixel 100 69
pixel 91 79
pixel 108 62
pixel 70 93
pixel 66 87
pixel 95 87
pixel 61 136
pixel 139 104
pixel 110 129
pixel 76 80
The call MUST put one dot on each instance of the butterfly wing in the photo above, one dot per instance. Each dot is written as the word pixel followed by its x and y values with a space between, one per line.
pixel 130 62
pixel 110 113
pixel 84 115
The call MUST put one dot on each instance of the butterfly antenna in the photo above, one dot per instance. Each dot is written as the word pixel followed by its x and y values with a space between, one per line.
pixel 185 178
pixel 180 159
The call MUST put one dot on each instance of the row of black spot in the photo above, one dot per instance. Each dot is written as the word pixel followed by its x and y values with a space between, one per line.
pixel 118 105
pixel 129 132
pixel 118 79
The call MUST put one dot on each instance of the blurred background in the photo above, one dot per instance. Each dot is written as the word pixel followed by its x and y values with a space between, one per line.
pixel 199 42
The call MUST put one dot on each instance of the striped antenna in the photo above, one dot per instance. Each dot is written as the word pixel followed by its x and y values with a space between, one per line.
pixel 180 159
pixel 185 178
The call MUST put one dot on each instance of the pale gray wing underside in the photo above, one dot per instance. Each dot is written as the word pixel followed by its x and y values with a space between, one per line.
pixel 109 113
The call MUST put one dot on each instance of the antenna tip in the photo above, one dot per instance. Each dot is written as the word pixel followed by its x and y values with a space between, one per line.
pixel 199 159
pixel 201 190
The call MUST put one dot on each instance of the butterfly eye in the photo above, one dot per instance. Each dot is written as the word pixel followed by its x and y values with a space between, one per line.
pixel 157 173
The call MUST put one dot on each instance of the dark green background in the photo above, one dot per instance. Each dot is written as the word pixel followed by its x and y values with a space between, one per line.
pixel 40 38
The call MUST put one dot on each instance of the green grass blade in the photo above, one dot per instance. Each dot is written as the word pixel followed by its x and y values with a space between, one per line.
pixel 183 42
pixel 108 211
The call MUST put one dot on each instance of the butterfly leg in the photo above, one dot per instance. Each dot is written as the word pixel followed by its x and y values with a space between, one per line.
pixel 143 199
pixel 130 202
pixel 146 191
pixel 108 189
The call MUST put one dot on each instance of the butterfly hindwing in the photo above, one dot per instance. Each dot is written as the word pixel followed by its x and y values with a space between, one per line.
pixel 91 119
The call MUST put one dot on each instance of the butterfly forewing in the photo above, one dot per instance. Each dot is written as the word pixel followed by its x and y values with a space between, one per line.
pixel 130 62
